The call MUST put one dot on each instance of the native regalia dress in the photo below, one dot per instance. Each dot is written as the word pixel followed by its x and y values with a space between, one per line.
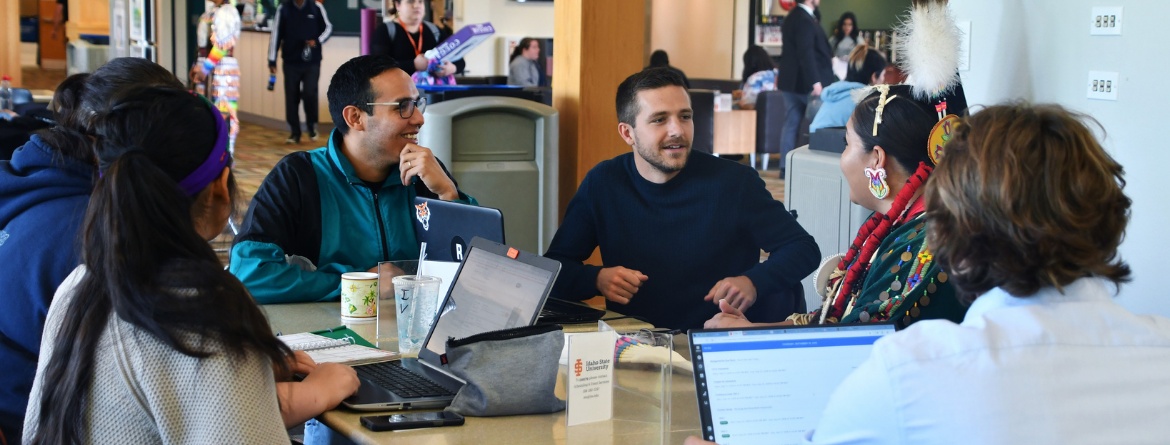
pixel 889 272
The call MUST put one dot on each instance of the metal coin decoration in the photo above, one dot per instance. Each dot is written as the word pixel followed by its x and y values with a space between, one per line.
pixel 895 269
pixel 915 312
pixel 942 277
pixel 931 288
pixel 906 256
pixel 912 235
pixel 884 296
pixel 886 255
pixel 907 320
pixel 896 286
pixel 864 317
pixel 919 226
pixel 924 301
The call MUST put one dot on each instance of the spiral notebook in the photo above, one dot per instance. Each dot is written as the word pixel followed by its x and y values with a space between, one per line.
pixel 347 350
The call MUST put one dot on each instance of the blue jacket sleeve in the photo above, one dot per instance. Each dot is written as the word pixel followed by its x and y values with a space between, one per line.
pixel 574 243
pixel 284 218
pixel 792 252
pixel 270 278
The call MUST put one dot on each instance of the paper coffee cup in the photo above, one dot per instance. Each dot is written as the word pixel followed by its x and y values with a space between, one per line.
pixel 359 295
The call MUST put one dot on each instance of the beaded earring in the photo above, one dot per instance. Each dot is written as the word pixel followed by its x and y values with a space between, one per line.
pixel 877 182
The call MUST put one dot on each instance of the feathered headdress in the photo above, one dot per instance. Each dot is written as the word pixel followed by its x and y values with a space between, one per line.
pixel 928 50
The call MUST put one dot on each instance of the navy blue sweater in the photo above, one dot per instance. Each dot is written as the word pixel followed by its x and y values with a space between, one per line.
pixel 707 223
pixel 43 196
pixel 293 26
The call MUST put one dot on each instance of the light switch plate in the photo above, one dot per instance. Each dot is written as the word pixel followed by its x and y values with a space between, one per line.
pixel 1105 21
pixel 1103 85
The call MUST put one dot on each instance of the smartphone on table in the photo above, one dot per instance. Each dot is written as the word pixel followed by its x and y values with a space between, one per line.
pixel 411 421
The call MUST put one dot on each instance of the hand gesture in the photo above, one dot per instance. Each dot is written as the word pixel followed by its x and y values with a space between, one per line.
pixel 619 284
pixel 420 62
pixel 739 291
pixel 419 161
pixel 730 317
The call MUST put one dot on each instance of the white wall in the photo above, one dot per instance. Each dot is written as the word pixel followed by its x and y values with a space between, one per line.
pixel 509 18
pixel 1041 50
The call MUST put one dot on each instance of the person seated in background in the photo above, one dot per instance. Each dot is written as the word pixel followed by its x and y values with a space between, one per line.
pixel 845 36
pixel 679 231
pixel 408 37
pixel 889 273
pixel 150 340
pixel 759 75
pixel 659 59
pixel 866 68
pixel 347 206
pixel 1026 211
pixel 524 69
pixel 44 190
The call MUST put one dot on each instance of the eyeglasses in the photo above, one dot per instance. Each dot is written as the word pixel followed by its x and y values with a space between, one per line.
pixel 406 108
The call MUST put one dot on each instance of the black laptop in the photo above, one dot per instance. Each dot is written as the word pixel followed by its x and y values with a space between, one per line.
pixel 447 227
pixel 496 287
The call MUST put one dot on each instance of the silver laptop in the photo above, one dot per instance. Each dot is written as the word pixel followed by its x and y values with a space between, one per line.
pixel 497 287
pixel 769 385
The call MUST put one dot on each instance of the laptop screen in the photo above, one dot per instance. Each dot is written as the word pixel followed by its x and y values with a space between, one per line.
pixel 491 292
pixel 769 385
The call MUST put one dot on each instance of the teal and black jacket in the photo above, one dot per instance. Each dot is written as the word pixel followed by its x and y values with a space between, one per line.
pixel 314 206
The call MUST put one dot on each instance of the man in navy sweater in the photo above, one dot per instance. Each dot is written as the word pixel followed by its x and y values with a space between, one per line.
pixel 299 28
pixel 678 230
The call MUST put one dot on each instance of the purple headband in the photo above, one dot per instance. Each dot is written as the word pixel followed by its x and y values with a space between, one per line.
pixel 206 173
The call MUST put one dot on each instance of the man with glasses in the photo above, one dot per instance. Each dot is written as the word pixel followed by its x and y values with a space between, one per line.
pixel 346 206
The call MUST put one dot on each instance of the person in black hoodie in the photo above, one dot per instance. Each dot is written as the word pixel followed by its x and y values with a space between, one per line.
pixel 44 191
pixel 299 28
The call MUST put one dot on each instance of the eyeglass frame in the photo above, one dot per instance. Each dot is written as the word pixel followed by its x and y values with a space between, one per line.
pixel 420 104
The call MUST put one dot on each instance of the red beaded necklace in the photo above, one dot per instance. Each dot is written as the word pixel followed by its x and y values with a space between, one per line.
pixel 870 237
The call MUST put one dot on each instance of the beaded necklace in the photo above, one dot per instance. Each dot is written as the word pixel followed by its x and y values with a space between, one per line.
pixel 869 238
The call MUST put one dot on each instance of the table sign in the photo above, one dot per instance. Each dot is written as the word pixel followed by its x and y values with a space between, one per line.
pixel 590 382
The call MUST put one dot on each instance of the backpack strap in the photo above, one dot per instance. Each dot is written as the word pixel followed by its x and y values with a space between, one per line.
pixel 434 30
pixel 391 29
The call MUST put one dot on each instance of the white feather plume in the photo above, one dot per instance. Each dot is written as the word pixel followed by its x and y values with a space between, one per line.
pixel 928 50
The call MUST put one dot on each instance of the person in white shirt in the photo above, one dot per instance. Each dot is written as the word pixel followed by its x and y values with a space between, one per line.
pixel 1027 212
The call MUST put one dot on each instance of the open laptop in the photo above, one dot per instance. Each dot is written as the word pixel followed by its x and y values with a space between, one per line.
pixel 769 385
pixel 497 287
pixel 447 227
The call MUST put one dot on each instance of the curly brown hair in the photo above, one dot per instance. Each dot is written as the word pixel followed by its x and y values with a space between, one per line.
pixel 1024 198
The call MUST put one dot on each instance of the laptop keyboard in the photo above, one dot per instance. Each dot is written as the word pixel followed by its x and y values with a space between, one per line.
pixel 401 381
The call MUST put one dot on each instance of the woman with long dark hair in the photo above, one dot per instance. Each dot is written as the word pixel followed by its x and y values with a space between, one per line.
pixel 44 190
pixel 845 36
pixel 888 273
pixel 759 74
pixel 150 340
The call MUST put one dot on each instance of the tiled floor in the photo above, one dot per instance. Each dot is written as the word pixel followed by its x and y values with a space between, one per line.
pixel 35 78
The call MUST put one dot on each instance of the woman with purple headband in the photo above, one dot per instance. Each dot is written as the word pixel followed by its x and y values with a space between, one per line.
pixel 151 340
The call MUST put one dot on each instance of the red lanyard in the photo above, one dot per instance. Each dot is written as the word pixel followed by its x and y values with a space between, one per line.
pixel 416 46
